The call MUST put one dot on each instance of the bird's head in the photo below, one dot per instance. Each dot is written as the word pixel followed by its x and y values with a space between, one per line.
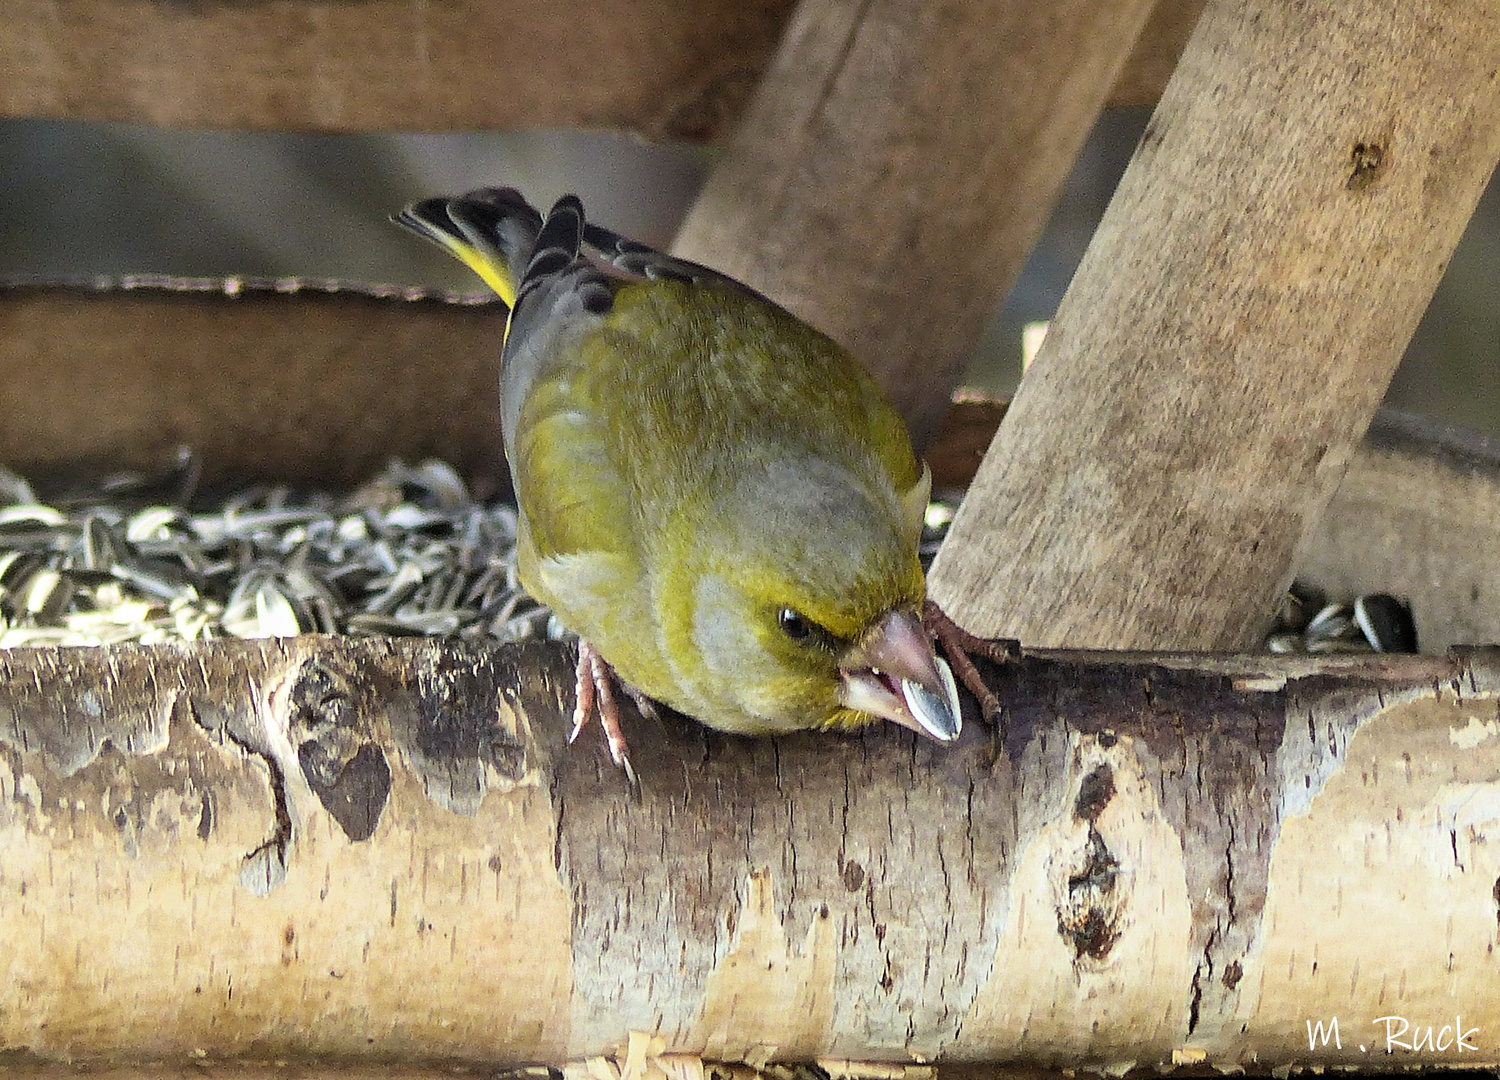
pixel 802 609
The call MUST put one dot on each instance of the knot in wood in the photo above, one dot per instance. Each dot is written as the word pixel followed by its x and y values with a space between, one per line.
pixel 1369 161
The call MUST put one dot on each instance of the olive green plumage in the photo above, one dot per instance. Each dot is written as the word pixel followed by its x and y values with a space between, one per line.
pixel 715 495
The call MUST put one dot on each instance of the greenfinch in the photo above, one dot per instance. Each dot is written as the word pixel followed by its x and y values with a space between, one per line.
pixel 717 498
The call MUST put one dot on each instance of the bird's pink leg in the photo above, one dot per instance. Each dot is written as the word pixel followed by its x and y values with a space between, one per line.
pixel 583 691
pixel 595 687
pixel 960 645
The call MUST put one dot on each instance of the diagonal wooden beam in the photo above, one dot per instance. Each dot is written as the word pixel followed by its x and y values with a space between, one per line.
pixel 1232 327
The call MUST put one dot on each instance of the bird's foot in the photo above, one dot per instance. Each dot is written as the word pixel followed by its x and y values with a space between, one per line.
pixel 960 646
pixel 595 688
pixel 643 705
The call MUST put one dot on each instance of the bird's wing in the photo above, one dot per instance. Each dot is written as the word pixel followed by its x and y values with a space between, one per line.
pixel 887 433
pixel 643 262
pixel 561 399
pixel 555 397
pixel 574 500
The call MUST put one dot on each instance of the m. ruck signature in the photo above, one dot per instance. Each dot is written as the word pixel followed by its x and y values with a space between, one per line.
pixel 1398 1033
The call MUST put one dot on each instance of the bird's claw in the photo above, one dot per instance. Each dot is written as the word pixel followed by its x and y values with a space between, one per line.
pixel 595 687
pixel 960 646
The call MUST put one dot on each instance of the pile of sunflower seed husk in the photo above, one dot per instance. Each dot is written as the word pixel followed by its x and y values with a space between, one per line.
pixel 143 558
pixel 1374 622
pixel 408 553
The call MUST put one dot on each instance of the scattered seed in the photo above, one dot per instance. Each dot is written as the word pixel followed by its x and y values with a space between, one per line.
pixel 1375 622
pixel 137 558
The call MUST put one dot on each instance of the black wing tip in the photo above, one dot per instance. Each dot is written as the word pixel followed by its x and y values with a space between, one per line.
pixel 569 203
pixel 544 244
pixel 560 239
pixel 430 220
pixel 486 204
pixel 497 202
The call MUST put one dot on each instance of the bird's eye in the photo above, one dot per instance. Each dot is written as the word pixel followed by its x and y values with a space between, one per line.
pixel 795 625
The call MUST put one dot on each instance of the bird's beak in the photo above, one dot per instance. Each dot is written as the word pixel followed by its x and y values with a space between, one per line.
pixel 894 674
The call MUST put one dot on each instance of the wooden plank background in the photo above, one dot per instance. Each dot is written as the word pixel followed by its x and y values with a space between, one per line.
pixel 679 69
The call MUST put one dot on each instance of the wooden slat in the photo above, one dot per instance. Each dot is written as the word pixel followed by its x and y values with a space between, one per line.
pixel 1156 53
pixel 1416 515
pixel 680 69
pixel 1232 327
pixel 315 387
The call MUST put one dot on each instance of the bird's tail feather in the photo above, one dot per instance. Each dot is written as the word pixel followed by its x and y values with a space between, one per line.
pixel 492 231
pixel 558 243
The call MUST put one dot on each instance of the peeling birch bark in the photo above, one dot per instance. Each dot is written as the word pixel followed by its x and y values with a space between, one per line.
pixel 365 851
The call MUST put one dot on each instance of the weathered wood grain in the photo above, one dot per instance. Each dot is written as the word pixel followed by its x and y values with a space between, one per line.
pixel 1416 515
pixel 665 70
pixel 1156 53
pixel 1232 327
pixel 679 69
pixel 356 851
pixel 308 386
pixel 897 164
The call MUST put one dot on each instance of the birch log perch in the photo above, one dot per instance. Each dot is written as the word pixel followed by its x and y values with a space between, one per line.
pixel 353 850
pixel 896 165
pixel 1232 327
